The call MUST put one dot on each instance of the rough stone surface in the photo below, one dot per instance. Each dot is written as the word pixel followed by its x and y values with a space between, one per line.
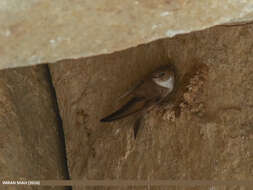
pixel 30 145
pixel 37 31
pixel 204 132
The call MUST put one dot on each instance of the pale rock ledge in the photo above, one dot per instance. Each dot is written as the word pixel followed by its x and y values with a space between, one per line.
pixel 41 31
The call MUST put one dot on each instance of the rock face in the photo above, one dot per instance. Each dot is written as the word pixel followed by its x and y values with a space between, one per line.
pixel 30 147
pixel 33 32
pixel 205 130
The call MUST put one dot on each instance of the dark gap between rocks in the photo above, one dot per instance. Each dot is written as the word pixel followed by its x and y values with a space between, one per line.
pixel 61 130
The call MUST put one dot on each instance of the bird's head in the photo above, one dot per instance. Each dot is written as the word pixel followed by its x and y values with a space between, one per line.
pixel 164 76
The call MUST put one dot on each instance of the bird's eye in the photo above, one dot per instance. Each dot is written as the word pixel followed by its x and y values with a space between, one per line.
pixel 162 74
pixel 158 75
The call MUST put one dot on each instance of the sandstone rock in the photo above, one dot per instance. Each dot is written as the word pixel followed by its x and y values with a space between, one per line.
pixel 33 32
pixel 216 144
pixel 30 143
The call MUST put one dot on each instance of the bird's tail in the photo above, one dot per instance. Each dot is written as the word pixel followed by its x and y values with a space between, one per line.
pixel 137 125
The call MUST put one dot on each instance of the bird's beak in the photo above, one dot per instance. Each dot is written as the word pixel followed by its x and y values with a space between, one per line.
pixel 155 77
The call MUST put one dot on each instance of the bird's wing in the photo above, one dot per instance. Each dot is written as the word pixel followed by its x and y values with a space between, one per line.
pixel 136 104
pixel 131 90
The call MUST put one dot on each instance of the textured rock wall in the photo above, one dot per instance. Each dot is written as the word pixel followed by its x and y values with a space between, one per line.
pixel 37 31
pixel 30 143
pixel 205 131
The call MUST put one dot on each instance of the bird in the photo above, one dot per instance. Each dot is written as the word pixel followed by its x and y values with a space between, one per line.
pixel 149 91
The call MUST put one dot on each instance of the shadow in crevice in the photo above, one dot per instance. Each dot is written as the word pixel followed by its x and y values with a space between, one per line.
pixel 60 131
